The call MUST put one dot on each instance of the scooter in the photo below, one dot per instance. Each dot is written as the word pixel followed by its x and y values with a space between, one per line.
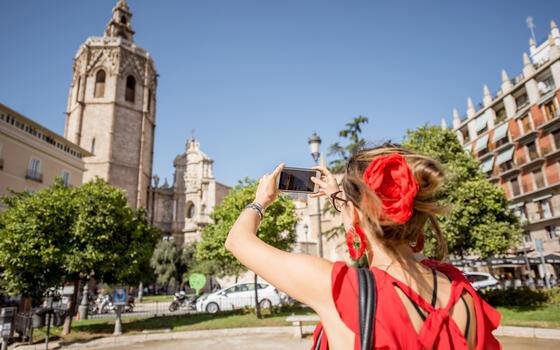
pixel 181 300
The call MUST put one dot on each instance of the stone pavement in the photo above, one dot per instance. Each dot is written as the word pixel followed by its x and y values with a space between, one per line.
pixel 286 342
pixel 274 338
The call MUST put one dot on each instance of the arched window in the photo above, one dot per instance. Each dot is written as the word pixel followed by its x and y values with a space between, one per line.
pixel 93 145
pixel 149 100
pixel 130 88
pixel 99 84
pixel 123 19
pixel 190 210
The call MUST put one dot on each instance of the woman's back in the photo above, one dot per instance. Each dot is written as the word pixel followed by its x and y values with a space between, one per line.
pixel 411 313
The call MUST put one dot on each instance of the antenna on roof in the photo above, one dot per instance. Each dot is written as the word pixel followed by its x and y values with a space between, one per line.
pixel 531 26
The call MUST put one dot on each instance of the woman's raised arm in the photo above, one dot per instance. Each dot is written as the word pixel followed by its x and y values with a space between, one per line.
pixel 303 277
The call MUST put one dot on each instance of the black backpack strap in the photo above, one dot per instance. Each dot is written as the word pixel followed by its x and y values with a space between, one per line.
pixel 367 304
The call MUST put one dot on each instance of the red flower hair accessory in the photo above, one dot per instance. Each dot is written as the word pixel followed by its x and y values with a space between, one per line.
pixel 392 180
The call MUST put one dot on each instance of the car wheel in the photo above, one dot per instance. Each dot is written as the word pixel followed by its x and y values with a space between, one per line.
pixel 265 303
pixel 212 308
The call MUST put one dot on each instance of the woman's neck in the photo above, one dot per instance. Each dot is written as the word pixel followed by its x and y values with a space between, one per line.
pixel 383 256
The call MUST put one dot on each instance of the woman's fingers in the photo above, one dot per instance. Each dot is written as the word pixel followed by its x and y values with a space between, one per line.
pixel 278 170
pixel 318 194
pixel 319 182
pixel 323 170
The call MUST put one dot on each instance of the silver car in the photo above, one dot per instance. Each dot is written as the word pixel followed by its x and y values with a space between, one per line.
pixel 482 280
pixel 238 296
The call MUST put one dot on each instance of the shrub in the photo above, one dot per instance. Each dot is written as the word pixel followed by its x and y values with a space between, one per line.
pixel 553 296
pixel 516 297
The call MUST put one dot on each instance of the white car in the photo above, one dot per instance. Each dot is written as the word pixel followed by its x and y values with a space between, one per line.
pixel 238 296
pixel 482 280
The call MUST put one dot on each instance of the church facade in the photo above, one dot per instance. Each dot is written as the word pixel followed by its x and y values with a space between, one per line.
pixel 182 209
pixel 112 108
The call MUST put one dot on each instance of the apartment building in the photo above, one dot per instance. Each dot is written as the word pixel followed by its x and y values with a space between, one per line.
pixel 31 156
pixel 515 133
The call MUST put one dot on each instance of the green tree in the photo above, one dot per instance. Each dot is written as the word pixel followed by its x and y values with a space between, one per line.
pixel 61 234
pixel 172 264
pixel 166 262
pixel 479 221
pixel 276 229
pixel 352 133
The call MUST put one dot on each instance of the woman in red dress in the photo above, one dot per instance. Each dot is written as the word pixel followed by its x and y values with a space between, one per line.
pixel 386 201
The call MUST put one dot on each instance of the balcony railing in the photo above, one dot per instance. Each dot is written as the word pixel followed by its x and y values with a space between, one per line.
pixel 34 175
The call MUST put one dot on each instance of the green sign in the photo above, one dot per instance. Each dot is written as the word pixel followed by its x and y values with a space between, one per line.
pixel 197 281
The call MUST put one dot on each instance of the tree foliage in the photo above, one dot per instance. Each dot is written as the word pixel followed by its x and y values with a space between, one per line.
pixel 352 133
pixel 172 264
pixel 479 221
pixel 60 234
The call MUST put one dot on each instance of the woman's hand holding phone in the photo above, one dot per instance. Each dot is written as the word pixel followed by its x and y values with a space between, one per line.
pixel 328 185
pixel 267 190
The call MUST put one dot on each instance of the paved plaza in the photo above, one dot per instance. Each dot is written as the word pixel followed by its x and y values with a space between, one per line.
pixel 286 342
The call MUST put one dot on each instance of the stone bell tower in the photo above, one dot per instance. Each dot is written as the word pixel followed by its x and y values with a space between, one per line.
pixel 112 107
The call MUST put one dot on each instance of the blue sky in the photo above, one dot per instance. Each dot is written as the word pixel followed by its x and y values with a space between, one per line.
pixel 256 78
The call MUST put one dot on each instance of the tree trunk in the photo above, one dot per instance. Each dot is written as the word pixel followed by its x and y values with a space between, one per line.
pixel 140 292
pixel 257 305
pixel 70 313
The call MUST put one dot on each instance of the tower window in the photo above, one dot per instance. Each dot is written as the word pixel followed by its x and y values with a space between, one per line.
pixel 149 100
pixel 130 88
pixel 77 88
pixel 123 19
pixel 99 84
pixel 190 210
pixel 93 145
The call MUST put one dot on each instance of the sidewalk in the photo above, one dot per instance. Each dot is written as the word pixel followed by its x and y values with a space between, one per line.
pixel 104 343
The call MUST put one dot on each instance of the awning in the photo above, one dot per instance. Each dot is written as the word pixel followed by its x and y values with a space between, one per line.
pixel 481 143
pixel 552 259
pixel 468 148
pixel 515 260
pixel 481 122
pixel 500 132
pixel 516 205
pixel 542 197
pixel 487 165
pixel 505 156
pixel 496 261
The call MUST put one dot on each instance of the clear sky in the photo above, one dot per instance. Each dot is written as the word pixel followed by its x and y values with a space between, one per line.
pixel 256 78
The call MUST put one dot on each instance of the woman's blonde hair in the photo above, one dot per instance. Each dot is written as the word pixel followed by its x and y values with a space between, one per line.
pixel 429 175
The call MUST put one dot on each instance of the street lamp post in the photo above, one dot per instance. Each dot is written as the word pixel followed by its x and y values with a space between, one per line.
pixel 314 146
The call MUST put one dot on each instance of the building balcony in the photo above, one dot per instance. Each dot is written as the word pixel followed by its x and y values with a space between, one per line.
pixel 503 144
pixel 551 124
pixel 531 135
pixel 551 154
pixel 484 155
pixel 34 175
pixel 504 170
pixel 532 162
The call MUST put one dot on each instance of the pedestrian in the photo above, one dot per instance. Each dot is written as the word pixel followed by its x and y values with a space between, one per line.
pixel 386 200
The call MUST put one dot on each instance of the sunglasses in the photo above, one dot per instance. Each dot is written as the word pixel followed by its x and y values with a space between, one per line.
pixel 337 202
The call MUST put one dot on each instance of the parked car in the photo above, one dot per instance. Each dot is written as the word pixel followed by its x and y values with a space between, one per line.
pixel 238 296
pixel 482 280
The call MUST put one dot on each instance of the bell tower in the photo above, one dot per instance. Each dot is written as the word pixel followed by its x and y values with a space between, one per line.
pixel 112 107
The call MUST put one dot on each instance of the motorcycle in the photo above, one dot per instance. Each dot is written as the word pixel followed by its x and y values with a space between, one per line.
pixel 181 300
pixel 129 307
pixel 102 304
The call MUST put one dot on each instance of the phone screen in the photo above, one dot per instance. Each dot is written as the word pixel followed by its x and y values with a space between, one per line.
pixel 297 180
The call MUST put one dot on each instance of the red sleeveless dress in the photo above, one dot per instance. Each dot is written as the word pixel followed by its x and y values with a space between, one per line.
pixel 393 328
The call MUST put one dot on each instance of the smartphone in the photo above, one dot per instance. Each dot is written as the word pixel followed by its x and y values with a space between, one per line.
pixel 297 180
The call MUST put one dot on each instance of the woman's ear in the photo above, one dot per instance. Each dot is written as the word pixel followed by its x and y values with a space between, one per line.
pixel 355 214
